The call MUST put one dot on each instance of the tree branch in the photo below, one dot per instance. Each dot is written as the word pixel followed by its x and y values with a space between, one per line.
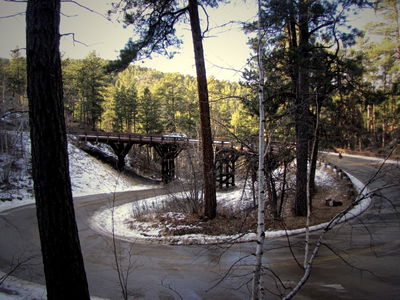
pixel 207 19
pixel 13 15
pixel 68 16
pixel 73 39
pixel 85 7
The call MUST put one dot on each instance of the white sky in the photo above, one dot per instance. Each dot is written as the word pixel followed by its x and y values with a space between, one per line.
pixel 107 38
pixel 226 48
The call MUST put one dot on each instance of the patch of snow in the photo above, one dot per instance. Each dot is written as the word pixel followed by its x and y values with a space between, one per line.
pixel 17 289
pixel 174 215
pixel 103 148
pixel 324 178
pixel 334 286
pixel 16 167
pixel 88 176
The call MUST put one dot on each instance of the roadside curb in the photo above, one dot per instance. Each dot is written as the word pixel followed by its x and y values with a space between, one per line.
pixel 360 203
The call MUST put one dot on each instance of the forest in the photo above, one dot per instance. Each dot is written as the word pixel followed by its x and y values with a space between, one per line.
pixel 312 81
pixel 354 86
pixel 136 100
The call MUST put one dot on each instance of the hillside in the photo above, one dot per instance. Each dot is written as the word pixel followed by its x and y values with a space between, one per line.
pixel 88 175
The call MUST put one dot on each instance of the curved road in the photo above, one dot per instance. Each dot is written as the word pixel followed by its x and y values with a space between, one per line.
pixel 368 246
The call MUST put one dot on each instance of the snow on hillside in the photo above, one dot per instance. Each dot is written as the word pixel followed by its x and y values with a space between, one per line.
pixel 88 175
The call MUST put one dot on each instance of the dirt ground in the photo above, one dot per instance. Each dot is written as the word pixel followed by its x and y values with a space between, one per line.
pixel 342 191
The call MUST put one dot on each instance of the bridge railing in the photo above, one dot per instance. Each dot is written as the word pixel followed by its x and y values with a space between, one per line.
pixel 99 136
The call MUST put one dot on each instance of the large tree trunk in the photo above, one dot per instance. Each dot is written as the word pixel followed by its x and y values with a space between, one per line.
pixel 210 202
pixel 301 113
pixel 62 258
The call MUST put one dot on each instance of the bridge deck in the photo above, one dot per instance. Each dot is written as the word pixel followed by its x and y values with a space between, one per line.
pixel 103 137
pixel 152 139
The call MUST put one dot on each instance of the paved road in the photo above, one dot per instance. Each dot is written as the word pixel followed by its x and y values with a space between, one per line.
pixel 370 246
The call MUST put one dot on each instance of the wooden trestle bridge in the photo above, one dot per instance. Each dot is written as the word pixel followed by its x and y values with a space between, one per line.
pixel 168 148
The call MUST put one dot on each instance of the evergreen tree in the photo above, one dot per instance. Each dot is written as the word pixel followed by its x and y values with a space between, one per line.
pixel 176 96
pixel 149 115
pixel 126 109
pixel 295 31
pixel 3 81
pixel 189 115
pixel 91 81
pixel 381 60
pixel 71 94
pixel 242 124
pixel 169 92
pixel 16 71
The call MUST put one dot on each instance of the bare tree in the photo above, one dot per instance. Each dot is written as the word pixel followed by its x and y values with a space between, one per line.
pixel 123 268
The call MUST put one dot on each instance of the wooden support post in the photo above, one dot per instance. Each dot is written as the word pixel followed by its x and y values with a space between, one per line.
pixel 168 153
pixel 121 149
pixel 225 160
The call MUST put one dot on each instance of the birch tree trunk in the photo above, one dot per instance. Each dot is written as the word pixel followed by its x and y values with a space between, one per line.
pixel 310 181
pixel 257 289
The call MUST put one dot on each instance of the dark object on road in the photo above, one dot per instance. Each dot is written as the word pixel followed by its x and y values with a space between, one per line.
pixel 330 202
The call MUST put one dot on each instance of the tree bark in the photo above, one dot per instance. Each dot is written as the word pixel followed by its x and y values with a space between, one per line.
pixel 313 164
pixel 210 201
pixel 314 148
pixel 62 257
pixel 257 291
pixel 301 112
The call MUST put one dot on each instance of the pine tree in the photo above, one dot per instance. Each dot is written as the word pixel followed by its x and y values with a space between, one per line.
pixel 16 71
pixel 91 81
pixel 296 31
pixel 61 252
pixel 149 115
pixel 381 59
pixel 155 27
pixel 126 109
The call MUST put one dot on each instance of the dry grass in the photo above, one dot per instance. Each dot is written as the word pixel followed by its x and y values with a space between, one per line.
pixel 223 224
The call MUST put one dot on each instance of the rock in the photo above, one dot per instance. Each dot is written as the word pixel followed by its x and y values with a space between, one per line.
pixel 332 203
